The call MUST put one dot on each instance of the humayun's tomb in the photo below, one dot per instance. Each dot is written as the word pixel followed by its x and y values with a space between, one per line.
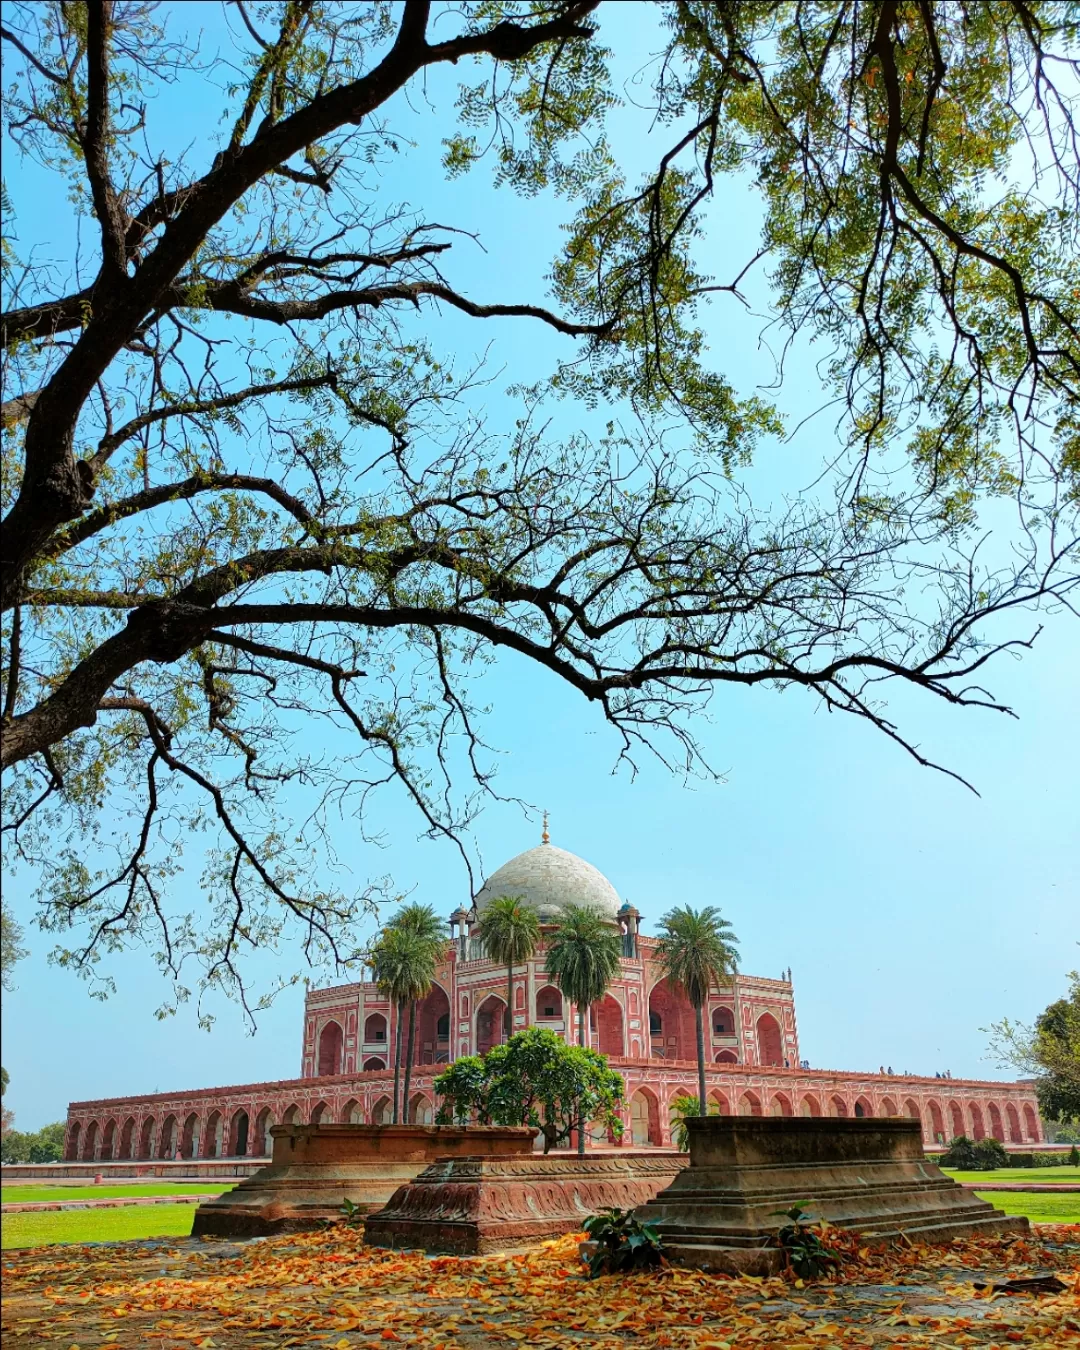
pixel 645 1029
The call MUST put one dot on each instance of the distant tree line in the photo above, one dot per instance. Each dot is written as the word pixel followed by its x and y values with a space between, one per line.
pixel 41 1146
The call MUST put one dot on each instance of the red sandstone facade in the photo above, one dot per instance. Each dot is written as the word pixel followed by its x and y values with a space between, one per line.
pixel 644 1027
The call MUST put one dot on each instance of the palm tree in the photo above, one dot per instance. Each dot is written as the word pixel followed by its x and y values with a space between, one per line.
pixel 697 948
pixel 583 956
pixel 404 967
pixel 426 927
pixel 510 932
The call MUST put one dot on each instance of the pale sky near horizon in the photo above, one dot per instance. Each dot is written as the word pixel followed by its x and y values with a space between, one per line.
pixel 912 912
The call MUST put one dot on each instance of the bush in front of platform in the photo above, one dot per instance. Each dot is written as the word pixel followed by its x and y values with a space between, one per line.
pixel 622 1243
pixel 536 1079
pixel 800 1240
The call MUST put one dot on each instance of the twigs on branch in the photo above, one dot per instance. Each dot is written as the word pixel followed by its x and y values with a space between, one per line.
pixel 265 527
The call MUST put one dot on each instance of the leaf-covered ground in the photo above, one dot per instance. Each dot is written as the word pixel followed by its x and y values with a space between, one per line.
pixel 325 1289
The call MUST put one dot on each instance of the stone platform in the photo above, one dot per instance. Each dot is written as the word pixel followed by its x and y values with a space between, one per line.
pixel 868 1175
pixel 472 1206
pixel 315 1168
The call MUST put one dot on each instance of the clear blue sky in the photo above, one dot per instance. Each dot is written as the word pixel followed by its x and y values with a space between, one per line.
pixel 911 912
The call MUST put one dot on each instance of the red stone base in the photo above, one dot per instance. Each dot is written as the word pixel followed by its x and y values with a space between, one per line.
pixel 472 1206
pixel 866 1175
pixel 315 1168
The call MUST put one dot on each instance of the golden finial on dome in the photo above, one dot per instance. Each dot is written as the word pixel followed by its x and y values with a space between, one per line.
pixel 545 838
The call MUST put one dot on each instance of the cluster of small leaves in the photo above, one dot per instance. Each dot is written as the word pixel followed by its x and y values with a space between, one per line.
pixel 269 515
pixel 803 1244
pixel 623 1242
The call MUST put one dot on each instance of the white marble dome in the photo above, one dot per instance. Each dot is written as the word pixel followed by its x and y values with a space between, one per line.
pixel 547 878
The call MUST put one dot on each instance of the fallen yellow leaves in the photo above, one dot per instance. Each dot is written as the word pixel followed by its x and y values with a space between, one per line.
pixel 326 1290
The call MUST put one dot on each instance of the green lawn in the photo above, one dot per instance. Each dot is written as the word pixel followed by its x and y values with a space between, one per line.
pixel 1038 1176
pixel 1039 1207
pixel 96 1225
pixel 13 1195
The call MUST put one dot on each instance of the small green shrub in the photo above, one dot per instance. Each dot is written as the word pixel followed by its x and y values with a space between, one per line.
pixel 622 1243
pixel 961 1155
pixel 804 1251
pixel 351 1214
pixel 1074 1156
pixel 991 1154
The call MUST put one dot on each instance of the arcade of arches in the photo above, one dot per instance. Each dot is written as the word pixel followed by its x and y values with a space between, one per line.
pixel 210 1130
pixel 646 1028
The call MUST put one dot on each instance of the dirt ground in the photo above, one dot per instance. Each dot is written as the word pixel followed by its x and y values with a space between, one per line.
pixel 325 1289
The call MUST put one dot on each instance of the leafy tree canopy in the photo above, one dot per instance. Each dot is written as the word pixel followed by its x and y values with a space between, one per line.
pixel 536 1079
pixel 248 492
pixel 11 948
pixel 1049 1051
pixel 36 1146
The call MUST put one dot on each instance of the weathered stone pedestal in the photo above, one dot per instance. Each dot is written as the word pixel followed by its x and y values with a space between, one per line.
pixel 867 1175
pixel 470 1206
pixel 314 1168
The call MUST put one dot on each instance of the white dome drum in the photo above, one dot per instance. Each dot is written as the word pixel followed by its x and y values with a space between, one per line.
pixel 547 878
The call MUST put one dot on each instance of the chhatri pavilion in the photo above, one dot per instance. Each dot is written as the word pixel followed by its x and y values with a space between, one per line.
pixel 644 1027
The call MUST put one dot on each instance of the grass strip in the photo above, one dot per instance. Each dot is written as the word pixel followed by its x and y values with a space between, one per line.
pixel 96 1225
pixel 1040 1207
pixel 15 1195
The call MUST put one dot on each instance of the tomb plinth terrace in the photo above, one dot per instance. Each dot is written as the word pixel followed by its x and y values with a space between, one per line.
pixel 644 1027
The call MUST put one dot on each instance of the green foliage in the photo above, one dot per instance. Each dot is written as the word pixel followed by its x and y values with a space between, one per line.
pixel 697 949
pixel 965 1155
pixel 623 1243
pixel 582 955
pixel 463 1088
pixel 681 1107
pixel 961 1155
pixel 352 1215
pixel 990 1154
pixel 509 930
pixel 1074 1156
pixel 330 523
pixel 803 1246
pixel 1049 1051
pixel 535 1079
pixel 403 965
pixel 403 959
pixel 11 948
pixel 40 1146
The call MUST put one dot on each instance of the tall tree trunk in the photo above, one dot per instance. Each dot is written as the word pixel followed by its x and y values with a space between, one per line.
pixel 700 1029
pixel 396 1120
pixel 581 1105
pixel 409 1062
pixel 509 998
